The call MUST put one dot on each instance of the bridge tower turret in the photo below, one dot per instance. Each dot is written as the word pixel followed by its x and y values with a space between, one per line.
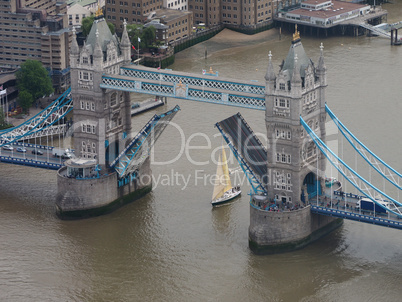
pixel 295 166
pixel 102 117
pixel 298 90
pixel 87 186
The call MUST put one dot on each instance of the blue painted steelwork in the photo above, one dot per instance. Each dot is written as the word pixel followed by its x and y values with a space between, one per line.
pixel 187 86
pixel 30 162
pixel 257 186
pixel 40 122
pixel 357 217
pixel 377 163
pixel 394 206
pixel 138 150
pixel 146 73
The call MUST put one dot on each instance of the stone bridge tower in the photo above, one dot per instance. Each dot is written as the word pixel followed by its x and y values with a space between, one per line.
pixel 102 127
pixel 297 90
pixel 295 167
pixel 102 118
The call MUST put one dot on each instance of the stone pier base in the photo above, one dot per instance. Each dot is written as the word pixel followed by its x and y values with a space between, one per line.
pixel 84 198
pixel 278 232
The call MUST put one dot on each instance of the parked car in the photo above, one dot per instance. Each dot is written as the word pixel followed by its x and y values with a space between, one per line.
pixel 8 147
pixel 21 149
pixel 37 151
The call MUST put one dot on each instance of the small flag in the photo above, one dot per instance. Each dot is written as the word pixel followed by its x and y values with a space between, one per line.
pixel 133 47
pixel 159 68
pixel 1 87
pixel 139 40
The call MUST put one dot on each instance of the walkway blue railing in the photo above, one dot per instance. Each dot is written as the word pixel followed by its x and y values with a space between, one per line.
pixel 357 217
pixel 30 162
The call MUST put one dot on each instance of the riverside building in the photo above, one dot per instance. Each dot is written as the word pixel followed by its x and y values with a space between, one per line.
pixel 36 30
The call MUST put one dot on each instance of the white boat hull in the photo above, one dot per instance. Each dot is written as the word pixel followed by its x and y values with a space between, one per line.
pixel 227 196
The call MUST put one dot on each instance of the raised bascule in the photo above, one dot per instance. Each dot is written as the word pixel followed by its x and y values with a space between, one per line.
pixel 289 172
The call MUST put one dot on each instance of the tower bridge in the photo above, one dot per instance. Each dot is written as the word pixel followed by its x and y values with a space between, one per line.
pixel 289 171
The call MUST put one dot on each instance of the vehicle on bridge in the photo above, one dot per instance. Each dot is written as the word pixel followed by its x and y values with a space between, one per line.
pixel 368 205
pixel 21 149
pixel 8 148
pixel 37 151
pixel 63 153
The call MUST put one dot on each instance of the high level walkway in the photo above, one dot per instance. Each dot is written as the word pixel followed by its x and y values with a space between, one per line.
pixel 183 85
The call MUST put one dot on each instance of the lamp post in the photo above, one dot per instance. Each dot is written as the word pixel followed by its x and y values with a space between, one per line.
pixel 138 50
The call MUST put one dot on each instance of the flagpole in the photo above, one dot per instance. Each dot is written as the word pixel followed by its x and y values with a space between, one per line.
pixel 7 106
pixel 138 50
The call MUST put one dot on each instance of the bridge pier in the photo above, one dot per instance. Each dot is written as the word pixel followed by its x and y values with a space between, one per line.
pixel 86 197
pixel 273 232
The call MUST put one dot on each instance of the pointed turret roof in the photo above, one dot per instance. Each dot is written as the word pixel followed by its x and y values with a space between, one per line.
pixel 125 40
pixel 105 35
pixel 296 71
pixel 270 75
pixel 296 49
pixel 321 64
pixel 74 44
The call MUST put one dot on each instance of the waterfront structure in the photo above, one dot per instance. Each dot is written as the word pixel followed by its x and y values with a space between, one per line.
pixel 177 24
pixel 329 16
pixel 295 167
pixel 102 128
pixel 36 30
pixel 325 12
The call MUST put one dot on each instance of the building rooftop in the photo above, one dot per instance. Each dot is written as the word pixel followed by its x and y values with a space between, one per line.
pixel 166 15
pixel 337 8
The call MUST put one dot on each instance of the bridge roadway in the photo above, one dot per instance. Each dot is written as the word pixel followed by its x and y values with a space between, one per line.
pixel 45 160
pixel 183 85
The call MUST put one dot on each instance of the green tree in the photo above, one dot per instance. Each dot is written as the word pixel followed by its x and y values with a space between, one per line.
pixel 87 24
pixel 25 100
pixel 149 36
pixel 111 27
pixel 134 32
pixel 33 78
pixel 3 123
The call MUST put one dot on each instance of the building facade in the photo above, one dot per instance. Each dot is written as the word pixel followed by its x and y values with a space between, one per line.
pixel 133 11
pixel 237 12
pixel 175 4
pixel 178 23
pixel 36 30
pixel 75 15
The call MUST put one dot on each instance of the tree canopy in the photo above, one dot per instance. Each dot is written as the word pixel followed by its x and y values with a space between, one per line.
pixel 25 100
pixel 3 122
pixel 147 35
pixel 34 79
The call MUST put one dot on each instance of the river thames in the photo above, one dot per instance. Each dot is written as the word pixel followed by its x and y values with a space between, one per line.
pixel 171 245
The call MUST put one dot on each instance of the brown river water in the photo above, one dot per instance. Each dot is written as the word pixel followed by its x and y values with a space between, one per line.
pixel 171 245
